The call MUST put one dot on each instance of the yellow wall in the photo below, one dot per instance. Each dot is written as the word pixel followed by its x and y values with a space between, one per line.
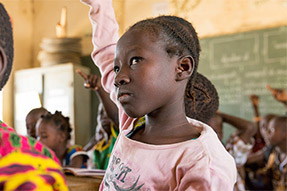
pixel 35 19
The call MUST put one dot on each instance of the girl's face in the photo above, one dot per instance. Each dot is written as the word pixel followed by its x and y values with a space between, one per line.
pixel 31 121
pixel 145 74
pixel 103 127
pixel 49 135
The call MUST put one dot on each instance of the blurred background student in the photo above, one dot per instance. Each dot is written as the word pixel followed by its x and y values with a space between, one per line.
pixel 31 119
pixel 54 131
pixel 100 146
pixel 239 144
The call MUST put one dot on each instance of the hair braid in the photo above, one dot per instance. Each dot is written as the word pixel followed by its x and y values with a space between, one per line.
pixel 201 98
pixel 178 35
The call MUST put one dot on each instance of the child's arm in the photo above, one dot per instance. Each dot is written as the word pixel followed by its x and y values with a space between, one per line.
pixel 246 128
pixel 255 101
pixel 93 82
pixel 279 94
pixel 105 36
pixel 76 162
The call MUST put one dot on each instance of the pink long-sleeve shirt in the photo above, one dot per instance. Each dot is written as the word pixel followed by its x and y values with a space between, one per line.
pixel 200 164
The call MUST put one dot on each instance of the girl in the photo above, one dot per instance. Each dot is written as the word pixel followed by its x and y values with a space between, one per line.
pixel 54 131
pixel 166 151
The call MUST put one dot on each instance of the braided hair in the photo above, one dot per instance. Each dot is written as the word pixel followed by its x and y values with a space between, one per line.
pixel 6 42
pixel 178 35
pixel 201 99
pixel 60 121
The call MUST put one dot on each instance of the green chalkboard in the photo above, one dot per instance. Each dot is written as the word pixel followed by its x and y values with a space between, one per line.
pixel 244 63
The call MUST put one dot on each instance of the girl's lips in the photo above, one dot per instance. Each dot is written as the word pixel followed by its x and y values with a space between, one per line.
pixel 123 97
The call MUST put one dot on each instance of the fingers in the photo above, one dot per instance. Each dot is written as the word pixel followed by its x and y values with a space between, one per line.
pixel 270 88
pixel 82 74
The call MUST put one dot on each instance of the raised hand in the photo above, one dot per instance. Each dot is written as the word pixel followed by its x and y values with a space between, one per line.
pixel 254 99
pixel 279 94
pixel 92 81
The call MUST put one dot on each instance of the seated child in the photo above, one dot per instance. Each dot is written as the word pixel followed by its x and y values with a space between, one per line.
pixel 239 144
pixel 25 164
pixel 277 163
pixel 103 141
pixel 54 131
pixel 255 179
pixel 31 119
pixel 101 145
pixel 152 63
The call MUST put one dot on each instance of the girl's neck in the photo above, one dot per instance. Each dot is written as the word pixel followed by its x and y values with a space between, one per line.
pixel 61 152
pixel 170 116
pixel 166 128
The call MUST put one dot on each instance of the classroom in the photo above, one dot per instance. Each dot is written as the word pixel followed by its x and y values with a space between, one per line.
pixel 243 56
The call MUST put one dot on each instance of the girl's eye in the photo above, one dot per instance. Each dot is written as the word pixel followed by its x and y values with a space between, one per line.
pixel 116 69
pixel 135 60
pixel 44 136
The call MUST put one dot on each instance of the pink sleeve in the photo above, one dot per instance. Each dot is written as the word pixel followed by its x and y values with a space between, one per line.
pixel 105 37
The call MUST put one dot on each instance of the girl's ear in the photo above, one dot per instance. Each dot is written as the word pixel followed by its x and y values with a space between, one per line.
pixel 185 66
pixel 63 136
pixel 3 62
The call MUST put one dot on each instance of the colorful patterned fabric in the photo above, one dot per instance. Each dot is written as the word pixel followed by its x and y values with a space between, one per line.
pixel 26 164
pixel 11 141
pixel 30 171
pixel 3 126
pixel 102 151
pixel 239 150
pixel 74 151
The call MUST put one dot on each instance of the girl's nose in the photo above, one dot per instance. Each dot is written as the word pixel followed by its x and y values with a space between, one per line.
pixel 121 78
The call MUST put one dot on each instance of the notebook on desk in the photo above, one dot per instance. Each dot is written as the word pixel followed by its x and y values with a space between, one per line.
pixel 84 172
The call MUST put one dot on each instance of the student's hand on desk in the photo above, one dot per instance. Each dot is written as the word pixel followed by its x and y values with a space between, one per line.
pixel 254 99
pixel 92 81
pixel 279 94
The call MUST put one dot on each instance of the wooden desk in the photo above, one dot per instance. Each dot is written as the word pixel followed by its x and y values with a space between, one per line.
pixel 83 183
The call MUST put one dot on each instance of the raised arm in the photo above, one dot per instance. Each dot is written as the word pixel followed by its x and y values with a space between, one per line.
pixel 93 82
pixel 105 36
pixel 255 101
pixel 257 117
pixel 246 129
pixel 279 94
